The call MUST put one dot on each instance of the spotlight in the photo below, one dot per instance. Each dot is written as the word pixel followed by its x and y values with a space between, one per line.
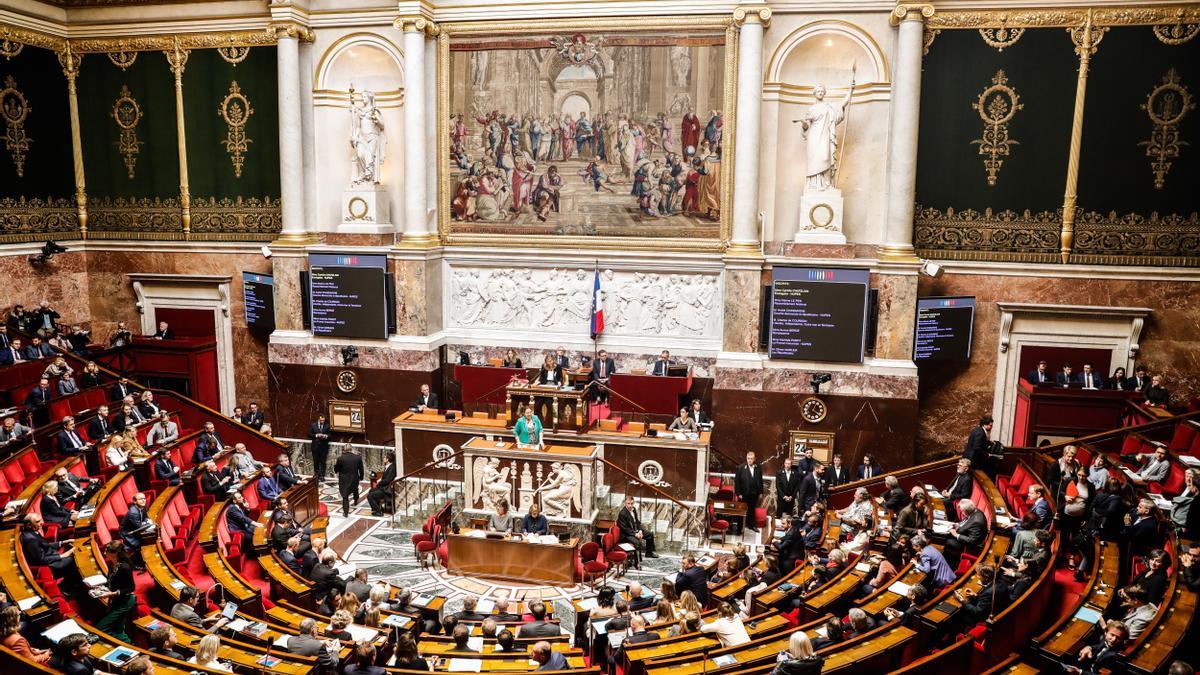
pixel 349 355
pixel 818 380
pixel 266 251
pixel 49 250
pixel 932 269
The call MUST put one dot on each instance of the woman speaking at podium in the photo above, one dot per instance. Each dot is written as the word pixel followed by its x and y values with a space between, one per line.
pixel 528 429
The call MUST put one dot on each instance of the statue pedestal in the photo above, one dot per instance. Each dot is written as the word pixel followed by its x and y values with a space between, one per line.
pixel 366 210
pixel 820 218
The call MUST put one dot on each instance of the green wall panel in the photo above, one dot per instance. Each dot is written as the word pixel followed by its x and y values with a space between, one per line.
pixel 48 166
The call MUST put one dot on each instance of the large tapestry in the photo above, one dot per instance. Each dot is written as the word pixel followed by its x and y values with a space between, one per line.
pixel 598 134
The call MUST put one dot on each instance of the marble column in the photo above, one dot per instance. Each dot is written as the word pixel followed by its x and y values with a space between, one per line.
pixel 432 154
pixel 416 226
pixel 902 150
pixel 291 154
pixel 308 134
pixel 746 146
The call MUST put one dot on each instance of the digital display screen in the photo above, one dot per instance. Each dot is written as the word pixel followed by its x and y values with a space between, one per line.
pixel 258 291
pixel 944 328
pixel 818 314
pixel 347 295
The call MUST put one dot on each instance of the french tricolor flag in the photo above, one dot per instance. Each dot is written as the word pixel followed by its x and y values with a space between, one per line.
pixel 597 308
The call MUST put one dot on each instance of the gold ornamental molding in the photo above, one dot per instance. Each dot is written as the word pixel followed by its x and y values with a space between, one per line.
pixel 234 54
pixel 742 15
pixel 123 59
pixel 1002 37
pixel 14 108
pixel 145 43
pixel 417 23
pixel 10 49
pixel 127 113
pixel 1176 33
pixel 1149 15
pixel 10 35
pixel 236 111
pixel 903 11
pixel 23 219
pixel 996 105
pixel 1166 105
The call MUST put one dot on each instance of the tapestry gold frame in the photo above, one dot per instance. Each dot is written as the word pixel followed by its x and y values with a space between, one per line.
pixel 643 24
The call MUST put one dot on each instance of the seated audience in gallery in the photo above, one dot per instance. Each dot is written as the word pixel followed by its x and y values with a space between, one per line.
pixel 1140 380
pixel 511 360
pixel 1040 375
pixel 1066 376
pixel 1157 395
pixel 1090 379
pixel 164 332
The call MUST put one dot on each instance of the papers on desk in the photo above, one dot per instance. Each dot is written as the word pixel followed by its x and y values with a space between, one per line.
pixel 899 588
pixel 941 526
pixel 464 665
pixel 929 488
pixel 704 561
pixel 1087 615
pixel 154 625
pixel 1186 459
pixel 1160 501
pixel 547 539
pixel 863 567
pixel 87 512
pixel 420 600
pixel 364 634
pixel 485 606
pixel 615 640
pixel 396 621
pixel 119 656
pixel 600 626
pixel 671 577
pixel 344 569
pixel 177 585
pixel 61 630
pixel 477 534
pixel 238 625
pixel 936 494
pixel 822 632
pixel 95 580
pixel 1003 521
pixel 588 604
pixel 268 661
pixel 282 641
pixel 725 660
pixel 627 547
pixel 939 514
pixel 26 604
pixel 16 503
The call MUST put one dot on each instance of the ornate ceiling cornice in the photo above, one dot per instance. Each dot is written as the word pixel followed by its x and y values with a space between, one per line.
pixel 1137 15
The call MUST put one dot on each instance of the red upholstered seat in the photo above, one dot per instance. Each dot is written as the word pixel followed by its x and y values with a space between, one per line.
pixel 1181 438
pixel 1172 485
pixel 593 564
pixel 613 555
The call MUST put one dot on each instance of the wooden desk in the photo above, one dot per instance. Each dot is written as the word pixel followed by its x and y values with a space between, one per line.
pixel 1068 636
pixel 558 408
pixel 236 652
pixel 512 559
pixel 17 580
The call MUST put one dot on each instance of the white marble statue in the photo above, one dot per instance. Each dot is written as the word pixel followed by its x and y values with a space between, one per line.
pixel 561 490
pixel 681 65
pixel 367 139
pixel 819 125
pixel 493 483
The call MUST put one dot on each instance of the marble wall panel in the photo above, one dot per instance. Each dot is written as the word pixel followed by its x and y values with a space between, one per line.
pixel 897 309
pixel 625 360
pixel 953 396
pixel 286 266
pixel 412 295
pixel 369 356
pixel 63 281
pixel 743 293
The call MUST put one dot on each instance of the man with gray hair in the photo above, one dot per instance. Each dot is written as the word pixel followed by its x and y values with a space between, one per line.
pixel 967 534
pixel 307 644
pixel 637 601
pixel 547 658
pixel 859 515
pixel 894 498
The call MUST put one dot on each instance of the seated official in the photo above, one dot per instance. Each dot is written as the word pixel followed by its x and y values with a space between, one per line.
pixel 629 525
pixel 1103 655
pixel 71 487
pixel 289 555
pixel 284 476
pixel 69 440
pixel 147 406
pixel 561 358
pixel 551 372
pixel 166 469
pixel 100 427
pixel 307 644
pixel 534 522
pixel 213 481
pixel 12 432
pixel 164 431
pixel 1040 376
pixel 268 489
pixel 1090 379
pixel 381 494
pixel 164 332
pixel 528 429
pixel 67 386
pixel 13 353
pixel 501 520
pixel 426 400
pixel 1065 377
pixel 41 552
pixel 237 516
pixel 697 413
pixel 1156 394
pixel 683 422
pixel 511 360
pixel 663 365
pixel 53 510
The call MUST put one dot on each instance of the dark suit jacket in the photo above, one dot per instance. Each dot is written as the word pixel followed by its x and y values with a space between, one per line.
pixel 694 580
pixel 388 477
pixel 38 351
pixel 810 491
pixel 628 523
pixel 977 445
pixel 320 444
pixel 429 402
pixel 860 471
pixel 165 469
pixel 563 361
pixel 660 366
pixel 39 397
pixel 1137 384
pixel 787 485
pixel 1141 534
pixel 837 475
pixel 1061 379
pixel 610 367
pixel 972 530
pixel 67 444
pixel 238 520
pixel 644 636
pixel 544 375
pixel 349 469
pixel 1047 377
pixel 289 559
pixel 99 428
pixel 54 512
pixel 10 355
pixel 38 551
pixel 539 629
pixel 148 409
pixel 285 477
pixel 167 334
pixel 1098 380
pixel 133 524
pixel 895 499
pixel 960 487
pixel 254 420
pixel 747 483
pixel 119 391
pixel 324 580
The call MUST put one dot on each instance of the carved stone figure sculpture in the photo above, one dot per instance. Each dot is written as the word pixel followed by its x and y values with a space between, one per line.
pixel 560 490
pixel 493 484
pixel 819 125
pixel 367 139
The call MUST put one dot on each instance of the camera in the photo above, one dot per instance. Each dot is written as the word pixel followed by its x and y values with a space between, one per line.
pixel 818 380
pixel 49 250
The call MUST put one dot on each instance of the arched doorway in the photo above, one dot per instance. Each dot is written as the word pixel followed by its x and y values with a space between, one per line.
pixel 574 104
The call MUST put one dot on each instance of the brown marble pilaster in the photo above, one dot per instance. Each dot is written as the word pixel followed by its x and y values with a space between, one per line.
pixel 897 312
pixel 743 295
pixel 287 263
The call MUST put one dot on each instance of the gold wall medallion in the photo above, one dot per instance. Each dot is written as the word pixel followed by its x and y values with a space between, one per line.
pixel 996 105
pixel 1002 37
pixel 127 113
pixel 1176 33
pixel 15 110
pixel 236 111
pixel 10 48
pixel 234 54
pixel 1166 105
pixel 123 59
pixel 359 210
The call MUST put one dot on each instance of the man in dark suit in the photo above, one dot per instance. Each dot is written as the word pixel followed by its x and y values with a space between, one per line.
pixel 12 353
pixel 638 600
pixel 692 578
pixel 426 400
pixel 806 461
pixel 1090 379
pixel 962 485
pixel 1065 377
pixel 1104 655
pixel 787 485
pixel 561 358
pixel 284 476
pixel 40 552
pixel 237 516
pixel 978 441
pixel 69 440
pixel 1141 527
pixel 967 534
pixel 72 656
pixel 976 605
pixel 134 524
pixel 812 488
pixel 748 486
pixel 350 471
pixel 603 366
pixel 1040 376
pixel 5 340
pixel 71 488
pixel 318 433
pixel 100 427
pixel 630 526
pixel 791 545
pixel 468 612
pixel 837 473
pixel 1140 380
pixel 663 364
pixel 166 469
pixel 38 400
pixel 38 349
pixel 288 554
pixel 164 332
pixel 539 627
pixel 254 417
pixel 382 492
pixel 120 390
pixel 307 644
pixel 894 498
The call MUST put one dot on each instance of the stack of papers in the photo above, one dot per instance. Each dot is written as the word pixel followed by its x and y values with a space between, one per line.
pixel 485 606
pixel 899 588
pixel 362 633
pixel 863 567
pixel 95 580
pixel 941 526
pixel 1087 615
pixel 588 604
pixel 237 625
pixel 396 621
pixel 282 641
pixel 62 629
pixel 26 604
pixel 420 600
pixel 464 665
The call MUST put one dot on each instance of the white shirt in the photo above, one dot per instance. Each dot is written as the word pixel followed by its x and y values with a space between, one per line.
pixel 731 632
pixel 116 456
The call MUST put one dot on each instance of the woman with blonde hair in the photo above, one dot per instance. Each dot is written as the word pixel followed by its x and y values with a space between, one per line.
pixel 206 653
pixel 10 636
pixel 338 623
pixel 799 658
pixel 54 511
pixel 350 603
pixel 689 603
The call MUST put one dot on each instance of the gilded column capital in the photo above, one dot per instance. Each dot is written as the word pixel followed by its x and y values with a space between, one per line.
pixel 911 12
pixel 418 24
pixel 743 15
pixel 291 29
pixel 70 60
